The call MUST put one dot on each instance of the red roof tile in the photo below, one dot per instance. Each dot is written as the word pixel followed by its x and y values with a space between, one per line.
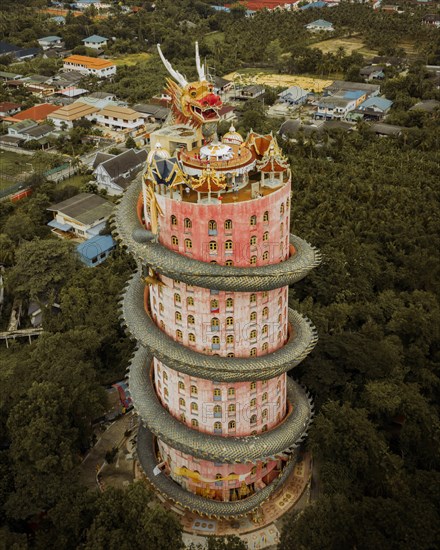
pixel 37 113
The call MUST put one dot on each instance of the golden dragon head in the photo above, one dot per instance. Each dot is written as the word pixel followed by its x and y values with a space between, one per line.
pixel 194 103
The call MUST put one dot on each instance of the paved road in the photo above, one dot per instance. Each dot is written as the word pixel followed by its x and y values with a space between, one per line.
pixel 112 437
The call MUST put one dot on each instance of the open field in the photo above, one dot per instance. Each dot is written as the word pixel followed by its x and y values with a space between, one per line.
pixel 75 181
pixel 281 80
pixel 14 167
pixel 131 59
pixel 350 45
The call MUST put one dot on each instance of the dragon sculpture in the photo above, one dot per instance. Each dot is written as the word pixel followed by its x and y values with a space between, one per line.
pixel 193 103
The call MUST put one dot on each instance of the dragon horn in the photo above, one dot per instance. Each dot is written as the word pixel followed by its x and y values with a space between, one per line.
pixel 200 68
pixel 175 74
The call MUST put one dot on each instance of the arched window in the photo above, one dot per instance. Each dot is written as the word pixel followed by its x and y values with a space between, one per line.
pixel 216 340
pixel 280 318
pixel 229 262
pixel 280 301
pixel 161 307
pixel 230 339
pixel 217 394
pixel 217 410
pixel 264 294
pixel 188 243
pixel 253 352
pixel 213 246
pixel 177 299
pixel 229 321
pixel 265 329
pixel 191 337
pixel 264 413
pixel 278 385
pixel 253 260
pixel 265 312
pixel 173 220
pixel 231 392
pixel 190 301
pixel 188 223
pixel 280 335
pixel 178 316
pixel 253 403
pixel 252 298
pixel 230 354
pixel 253 221
pixel 194 406
pixel 265 346
pixel 282 229
pixel 183 417
pixel 194 423
pixel 190 319
pixel 266 236
pixel 278 402
pixel 231 425
pixel 254 419
pixel 182 402
pixel 265 255
pixel 165 376
pixel 253 316
pixel 194 390
pixel 264 396
pixel 214 305
pixel 229 302
pixel 165 392
pixel 282 209
pixel 175 240
pixel 212 227
pixel 231 408
pixel 253 240
pixel 181 385
pixel 253 386
pixel 253 334
pixel 266 216
pixel 228 225
pixel 215 323
pixel 162 325
pixel 217 426
pixel 264 428
pixel 218 476
pixel 179 335
pixel 228 245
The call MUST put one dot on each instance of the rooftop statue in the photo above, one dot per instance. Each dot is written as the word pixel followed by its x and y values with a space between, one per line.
pixel 194 103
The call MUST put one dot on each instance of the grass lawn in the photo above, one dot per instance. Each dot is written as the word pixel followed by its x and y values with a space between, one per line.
pixel 13 167
pixel 76 181
pixel 350 45
pixel 131 59
pixel 212 37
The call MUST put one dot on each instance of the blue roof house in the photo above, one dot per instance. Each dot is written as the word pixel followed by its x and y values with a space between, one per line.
pixel 95 42
pixel 96 250
pixel 318 4
pixel 320 25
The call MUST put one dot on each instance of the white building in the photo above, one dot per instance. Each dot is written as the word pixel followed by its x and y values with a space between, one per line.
pixel 95 42
pixel 119 118
pixel 90 66
pixel 115 172
pixel 320 25
pixel 48 42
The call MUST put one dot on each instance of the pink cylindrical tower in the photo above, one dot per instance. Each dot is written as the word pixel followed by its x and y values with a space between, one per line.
pixel 209 226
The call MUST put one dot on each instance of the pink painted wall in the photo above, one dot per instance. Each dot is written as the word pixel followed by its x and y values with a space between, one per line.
pixel 226 409
pixel 259 474
pixel 256 323
pixel 272 236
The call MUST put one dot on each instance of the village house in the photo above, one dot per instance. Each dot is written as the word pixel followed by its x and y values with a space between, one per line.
pixel 295 95
pixel 95 42
pixel 48 42
pixel 96 250
pixel 119 118
pixel 16 52
pixel 252 91
pixel 83 216
pixel 8 109
pixel 222 85
pixel 320 25
pixel 90 66
pixel 153 112
pixel 341 86
pixel 67 115
pixel 115 172
pixel 37 113
pixel 372 72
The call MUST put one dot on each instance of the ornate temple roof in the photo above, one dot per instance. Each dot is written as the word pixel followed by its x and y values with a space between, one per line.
pixel 166 171
pixel 209 181
pixel 232 136
pixel 273 160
